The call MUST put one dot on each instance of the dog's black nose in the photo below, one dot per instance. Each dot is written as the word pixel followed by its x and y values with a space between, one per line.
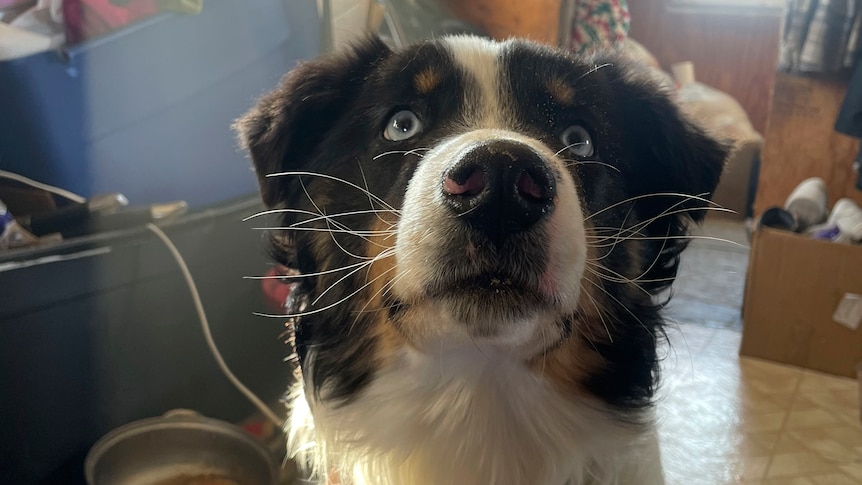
pixel 500 187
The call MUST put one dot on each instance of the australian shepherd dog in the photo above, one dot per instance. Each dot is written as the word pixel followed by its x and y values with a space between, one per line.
pixel 483 233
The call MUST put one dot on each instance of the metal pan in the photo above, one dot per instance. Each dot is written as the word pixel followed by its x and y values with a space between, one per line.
pixel 181 447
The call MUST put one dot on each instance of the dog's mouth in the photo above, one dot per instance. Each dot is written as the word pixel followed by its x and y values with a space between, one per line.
pixel 490 296
pixel 475 281
pixel 484 285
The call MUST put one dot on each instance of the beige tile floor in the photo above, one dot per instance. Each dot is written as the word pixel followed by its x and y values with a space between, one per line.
pixel 726 419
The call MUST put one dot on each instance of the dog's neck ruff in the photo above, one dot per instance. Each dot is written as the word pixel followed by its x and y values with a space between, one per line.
pixel 469 416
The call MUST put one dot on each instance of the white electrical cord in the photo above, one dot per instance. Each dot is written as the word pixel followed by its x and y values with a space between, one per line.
pixel 39 185
pixel 206 328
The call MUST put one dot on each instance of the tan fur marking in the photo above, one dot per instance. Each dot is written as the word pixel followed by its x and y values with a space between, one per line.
pixel 561 92
pixel 381 272
pixel 426 80
pixel 568 366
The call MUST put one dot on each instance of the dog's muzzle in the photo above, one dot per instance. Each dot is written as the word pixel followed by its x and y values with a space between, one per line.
pixel 500 188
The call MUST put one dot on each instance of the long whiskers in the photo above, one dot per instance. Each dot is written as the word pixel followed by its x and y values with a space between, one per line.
pixel 573 163
pixel 317 216
pixel 656 238
pixel 384 289
pixel 624 307
pixel 593 70
pixel 414 151
pixel 561 150
pixel 367 190
pixel 686 197
pixel 337 179
pixel 628 213
pixel 599 312
pixel 367 264
pixel 330 223
pixel 600 239
pixel 362 234
pixel 615 277
pixel 322 309
pixel 304 275
pixel 634 229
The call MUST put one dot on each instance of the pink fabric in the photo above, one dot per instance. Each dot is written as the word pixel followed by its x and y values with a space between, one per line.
pixel 14 3
pixel 276 291
pixel 86 19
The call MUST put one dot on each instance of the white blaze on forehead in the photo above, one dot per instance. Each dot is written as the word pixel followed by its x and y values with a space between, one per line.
pixel 479 59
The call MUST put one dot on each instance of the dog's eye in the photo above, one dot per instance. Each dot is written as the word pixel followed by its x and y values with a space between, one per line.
pixel 403 125
pixel 577 140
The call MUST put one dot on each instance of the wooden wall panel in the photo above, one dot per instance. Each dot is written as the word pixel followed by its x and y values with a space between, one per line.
pixel 734 50
pixel 801 141
pixel 533 19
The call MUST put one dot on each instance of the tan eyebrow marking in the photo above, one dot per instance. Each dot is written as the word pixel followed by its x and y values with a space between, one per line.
pixel 427 80
pixel 561 92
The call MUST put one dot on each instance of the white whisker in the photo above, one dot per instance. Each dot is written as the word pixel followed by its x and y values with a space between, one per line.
pixel 343 214
pixel 331 177
pixel 304 275
pixel 686 197
pixel 318 310
pixel 329 224
pixel 616 277
pixel 414 151
pixel 561 150
pixel 361 234
pixel 311 213
pixel 382 291
pixel 370 202
pixel 593 70
pixel 658 254
pixel 626 218
pixel 569 162
pixel 368 264
pixel 612 297
pixel 599 313
pixel 655 238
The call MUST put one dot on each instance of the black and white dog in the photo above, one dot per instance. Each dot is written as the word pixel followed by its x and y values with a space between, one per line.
pixel 483 229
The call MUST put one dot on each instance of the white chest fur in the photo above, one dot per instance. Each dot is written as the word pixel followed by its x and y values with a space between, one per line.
pixel 468 417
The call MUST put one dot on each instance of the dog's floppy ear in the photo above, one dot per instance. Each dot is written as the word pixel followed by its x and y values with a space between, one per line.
pixel 666 153
pixel 671 154
pixel 286 125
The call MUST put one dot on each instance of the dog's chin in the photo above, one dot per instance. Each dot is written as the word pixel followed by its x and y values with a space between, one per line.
pixel 487 310
pixel 485 302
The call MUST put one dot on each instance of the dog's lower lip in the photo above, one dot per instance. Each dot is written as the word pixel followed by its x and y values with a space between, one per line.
pixel 485 283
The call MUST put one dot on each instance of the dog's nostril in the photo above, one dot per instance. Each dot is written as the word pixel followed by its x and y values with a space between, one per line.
pixel 473 184
pixel 529 189
pixel 499 188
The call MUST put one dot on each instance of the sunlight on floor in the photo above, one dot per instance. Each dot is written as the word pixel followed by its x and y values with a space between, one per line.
pixel 725 419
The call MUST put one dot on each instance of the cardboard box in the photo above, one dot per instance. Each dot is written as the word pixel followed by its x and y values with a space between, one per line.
pixel 793 289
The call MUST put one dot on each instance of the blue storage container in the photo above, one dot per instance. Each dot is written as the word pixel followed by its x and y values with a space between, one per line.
pixel 147 110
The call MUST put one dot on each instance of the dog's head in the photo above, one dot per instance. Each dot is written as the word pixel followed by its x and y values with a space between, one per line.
pixel 464 192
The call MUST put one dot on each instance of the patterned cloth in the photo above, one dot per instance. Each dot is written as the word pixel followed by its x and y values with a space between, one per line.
pixel 86 19
pixel 598 23
pixel 821 35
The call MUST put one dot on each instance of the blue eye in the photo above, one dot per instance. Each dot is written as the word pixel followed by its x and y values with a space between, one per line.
pixel 578 141
pixel 403 125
